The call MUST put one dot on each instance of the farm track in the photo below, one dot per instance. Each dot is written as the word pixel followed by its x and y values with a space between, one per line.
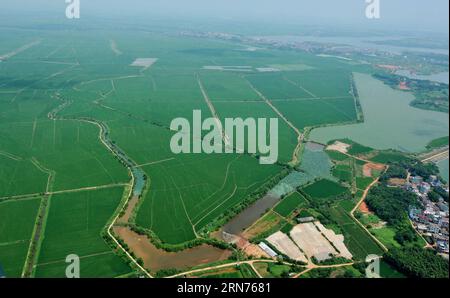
pixel 300 135
pixel 36 239
pixel 211 107
pixel 251 263
pixel 364 196
pixel 35 195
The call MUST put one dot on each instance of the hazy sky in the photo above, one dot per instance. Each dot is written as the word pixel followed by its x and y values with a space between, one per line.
pixel 423 15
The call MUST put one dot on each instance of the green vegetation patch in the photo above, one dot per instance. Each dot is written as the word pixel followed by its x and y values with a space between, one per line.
pixel 343 172
pixel 357 239
pixel 337 156
pixel 418 262
pixel 363 182
pixel 438 143
pixel 391 204
pixel 74 225
pixel 324 189
pixel 17 219
pixel 317 112
pixel 386 235
pixel 289 204
pixel 20 177
pixel 389 157
pixel 387 271
pixel 192 191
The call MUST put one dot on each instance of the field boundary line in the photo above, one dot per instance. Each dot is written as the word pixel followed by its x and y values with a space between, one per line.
pixel 226 200
pixel 33 132
pixel 300 135
pixel 300 86
pixel 224 181
pixel 183 204
pixel 51 174
pixel 154 162
pixel 36 238
pixel 82 257
pixel 340 111
pixel 11 156
pixel 89 188
pixel 310 98
pixel 108 79
pixel 37 195
pixel 12 242
pixel 20 50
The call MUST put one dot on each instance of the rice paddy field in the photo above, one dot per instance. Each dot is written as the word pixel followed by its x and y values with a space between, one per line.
pixel 324 189
pixel 290 203
pixel 357 240
pixel 16 228
pixel 74 224
pixel 68 91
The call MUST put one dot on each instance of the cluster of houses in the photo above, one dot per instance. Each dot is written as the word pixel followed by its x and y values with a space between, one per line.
pixel 432 218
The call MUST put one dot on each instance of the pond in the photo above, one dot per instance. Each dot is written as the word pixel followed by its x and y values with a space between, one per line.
pixel 315 163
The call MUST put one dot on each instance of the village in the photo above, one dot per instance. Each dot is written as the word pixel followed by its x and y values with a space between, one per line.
pixel 431 219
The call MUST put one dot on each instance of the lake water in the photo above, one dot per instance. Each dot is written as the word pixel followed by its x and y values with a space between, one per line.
pixel 442 77
pixel 359 42
pixel 390 122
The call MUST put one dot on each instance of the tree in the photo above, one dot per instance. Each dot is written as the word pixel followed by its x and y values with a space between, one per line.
pixel 418 262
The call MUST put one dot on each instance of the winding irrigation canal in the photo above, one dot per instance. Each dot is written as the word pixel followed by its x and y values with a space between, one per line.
pixel 139 177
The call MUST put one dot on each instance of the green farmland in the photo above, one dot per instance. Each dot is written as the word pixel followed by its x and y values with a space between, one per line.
pixel 290 203
pixel 86 128
pixel 357 239
pixel 74 224
pixel 16 227
pixel 324 189
pixel 52 109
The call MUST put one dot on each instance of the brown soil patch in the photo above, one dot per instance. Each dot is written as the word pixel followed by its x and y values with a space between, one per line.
pixel 337 273
pixel 261 226
pixel 256 251
pixel 339 146
pixel 217 235
pixel 389 67
pixel 363 208
pixel 368 167
pixel 129 211
pixel 156 259
pixel 262 268
pixel 397 182
pixel 249 248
